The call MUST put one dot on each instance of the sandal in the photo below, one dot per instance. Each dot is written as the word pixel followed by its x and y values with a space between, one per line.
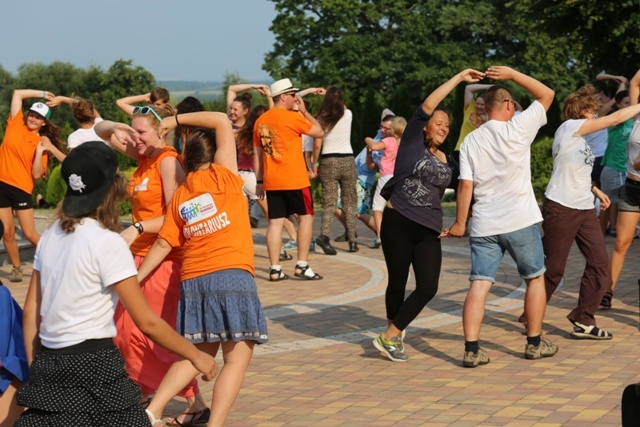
pixel 284 256
pixel 152 419
pixel 302 274
pixel 145 401
pixel 606 300
pixel 590 332
pixel 198 417
pixel 279 275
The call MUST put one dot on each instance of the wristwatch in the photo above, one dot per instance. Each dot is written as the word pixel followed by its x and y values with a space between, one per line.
pixel 138 226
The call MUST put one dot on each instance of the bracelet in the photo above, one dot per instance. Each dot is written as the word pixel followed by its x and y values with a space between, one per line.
pixel 176 117
pixel 44 94
pixel 259 181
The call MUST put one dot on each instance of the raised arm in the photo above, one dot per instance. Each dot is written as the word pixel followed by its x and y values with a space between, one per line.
pixel 316 131
pixel 374 145
pixel 120 136
pixel 19 95
pixel 225 140
pixel 435 98
pixel 538 90
pixel 233 90
pixel 312 91
pixel 615 118
pixel 469 90
pixel 126 103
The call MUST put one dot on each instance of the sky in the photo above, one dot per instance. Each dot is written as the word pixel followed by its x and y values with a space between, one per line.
pixel 195 40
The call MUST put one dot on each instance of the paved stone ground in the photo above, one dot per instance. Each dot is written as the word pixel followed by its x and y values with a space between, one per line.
pixel 320 368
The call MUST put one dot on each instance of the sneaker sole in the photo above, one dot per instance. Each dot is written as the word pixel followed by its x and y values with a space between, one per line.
pixel 385 353
pixel 538 357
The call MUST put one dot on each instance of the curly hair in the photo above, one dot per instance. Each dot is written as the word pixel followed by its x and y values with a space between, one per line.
pixel 579 103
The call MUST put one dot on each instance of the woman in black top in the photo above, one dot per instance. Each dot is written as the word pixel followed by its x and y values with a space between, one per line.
pixel 412 221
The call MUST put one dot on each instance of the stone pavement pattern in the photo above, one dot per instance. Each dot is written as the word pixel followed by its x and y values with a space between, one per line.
pixel 320 368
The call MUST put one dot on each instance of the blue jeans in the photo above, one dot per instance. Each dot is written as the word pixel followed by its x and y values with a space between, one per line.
pixel 524 246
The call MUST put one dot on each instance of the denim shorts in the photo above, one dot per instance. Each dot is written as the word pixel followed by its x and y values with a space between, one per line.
pixel 524 246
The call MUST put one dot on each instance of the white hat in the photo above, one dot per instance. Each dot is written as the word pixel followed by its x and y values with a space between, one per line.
pixel 41 109
pixel 282 86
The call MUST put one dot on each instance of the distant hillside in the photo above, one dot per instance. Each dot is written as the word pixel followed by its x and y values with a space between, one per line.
pixel 205 91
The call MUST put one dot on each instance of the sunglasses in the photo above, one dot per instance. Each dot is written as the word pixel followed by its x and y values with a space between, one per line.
pixel 146 110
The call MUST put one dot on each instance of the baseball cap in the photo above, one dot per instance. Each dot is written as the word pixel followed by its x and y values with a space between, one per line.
pixel 88 171
pixel 41 109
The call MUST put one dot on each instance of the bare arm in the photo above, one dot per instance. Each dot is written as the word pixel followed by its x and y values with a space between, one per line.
pixel 317 149
pixel 225 140
pixel 126 103
pixel 469 90
pixel 539 91
pixel 615 118
pixel 463 201
pixel 435 98
pixel 157 253
pixel 120 136
pixel 19 95
pixel 258 169
pixel 312 91
pixel 233 90
pixel 316 131
pixel 373 145
pixel 31 317
pixel 634 88
pixel 158 330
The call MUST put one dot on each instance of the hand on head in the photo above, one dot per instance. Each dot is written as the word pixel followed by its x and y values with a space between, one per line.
pixel 166 125
pixel 125 134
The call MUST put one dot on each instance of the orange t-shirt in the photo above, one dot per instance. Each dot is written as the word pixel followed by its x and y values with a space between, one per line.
pixel 147 198
pixel 17 154
pixel 209 215
pixel 279 133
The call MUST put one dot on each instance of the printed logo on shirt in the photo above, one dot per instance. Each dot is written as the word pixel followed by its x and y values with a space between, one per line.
pixel 197 209
pixel 142 186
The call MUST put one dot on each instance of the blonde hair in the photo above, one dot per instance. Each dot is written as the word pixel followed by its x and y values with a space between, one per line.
pixel 397 127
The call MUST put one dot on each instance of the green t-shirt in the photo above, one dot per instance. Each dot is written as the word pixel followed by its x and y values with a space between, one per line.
pixel 615 156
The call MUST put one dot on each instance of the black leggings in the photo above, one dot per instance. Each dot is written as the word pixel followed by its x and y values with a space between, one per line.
pixel 405 243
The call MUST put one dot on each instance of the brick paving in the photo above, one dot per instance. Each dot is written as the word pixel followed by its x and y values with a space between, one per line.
pixel 320 368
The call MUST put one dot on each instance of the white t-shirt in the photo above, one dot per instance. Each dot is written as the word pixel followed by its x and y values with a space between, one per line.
pixel 633 148
pixel 597 141
pixel 307 143
pixel 497 157
pixel 570 183
pixel 81 136
pixel 76 273
pixel 338 139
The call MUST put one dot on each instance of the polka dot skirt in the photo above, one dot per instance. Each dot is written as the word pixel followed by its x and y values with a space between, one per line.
pixel 84 389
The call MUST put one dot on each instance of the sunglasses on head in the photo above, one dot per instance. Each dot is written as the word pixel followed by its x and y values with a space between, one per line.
pixel 146 110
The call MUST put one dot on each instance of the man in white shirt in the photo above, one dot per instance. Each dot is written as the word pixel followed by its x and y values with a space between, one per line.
pixel 495 169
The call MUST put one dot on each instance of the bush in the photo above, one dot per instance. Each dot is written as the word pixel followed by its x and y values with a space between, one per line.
pixel 541 166
pixel 56 187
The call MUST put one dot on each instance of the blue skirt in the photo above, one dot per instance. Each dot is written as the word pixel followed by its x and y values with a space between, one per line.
pixel 221 306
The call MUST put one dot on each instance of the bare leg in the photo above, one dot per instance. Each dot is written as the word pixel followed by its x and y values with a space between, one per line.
pixel 368 221
pixel 237 356
pixel 339 213
pixel 305 229
pixel 626 230
pixel 28 226
pixel 473 311
pixel 9 237
pixel 274 239
pixel 290 228
pixel 535 304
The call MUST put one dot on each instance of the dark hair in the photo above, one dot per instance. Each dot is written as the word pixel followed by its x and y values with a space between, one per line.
pixel 199 148
pixel 579 102
pixel 599 86
pixel 427 141
pixel 621 95
pixel 83 110
pixel 107 214
pixel 388 118
pixel 159 94
pixel 332 108
pixel 495 96
pixel 245 100
pixel 52 132
pixel 188 105
pixel 244 135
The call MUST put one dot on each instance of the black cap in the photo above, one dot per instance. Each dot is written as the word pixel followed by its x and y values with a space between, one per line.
pixel 88 172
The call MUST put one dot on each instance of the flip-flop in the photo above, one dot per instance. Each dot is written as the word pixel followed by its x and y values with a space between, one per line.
pixel 281 275
pixel 590 332
pixel 302 274
pixel 198 417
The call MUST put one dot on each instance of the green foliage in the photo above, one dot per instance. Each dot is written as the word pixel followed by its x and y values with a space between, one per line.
pixel 56 187
pixel 541 166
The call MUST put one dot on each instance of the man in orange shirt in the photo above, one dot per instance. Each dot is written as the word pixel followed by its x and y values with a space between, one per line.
pixel 281 172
